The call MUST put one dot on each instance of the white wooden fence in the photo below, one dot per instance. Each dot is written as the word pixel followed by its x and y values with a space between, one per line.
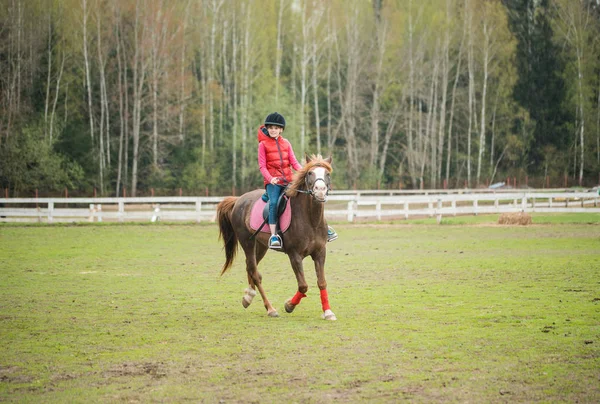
pixel 342 205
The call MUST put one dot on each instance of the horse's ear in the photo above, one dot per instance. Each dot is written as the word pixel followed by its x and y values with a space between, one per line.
pixel 329 159
pixel 307 158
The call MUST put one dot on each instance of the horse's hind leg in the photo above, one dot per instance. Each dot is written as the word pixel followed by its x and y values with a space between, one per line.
pixel 249 293
pixel 254 277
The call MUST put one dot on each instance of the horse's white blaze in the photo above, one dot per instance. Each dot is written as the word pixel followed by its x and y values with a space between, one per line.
pixel 320 185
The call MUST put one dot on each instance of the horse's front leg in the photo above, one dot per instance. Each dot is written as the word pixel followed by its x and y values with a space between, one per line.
pixel 296 261
pixel 319 259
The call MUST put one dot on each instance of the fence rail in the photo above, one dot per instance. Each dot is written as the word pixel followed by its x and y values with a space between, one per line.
pixel 342 205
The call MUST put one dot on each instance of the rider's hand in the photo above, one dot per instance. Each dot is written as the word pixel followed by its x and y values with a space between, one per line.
pixel 274 180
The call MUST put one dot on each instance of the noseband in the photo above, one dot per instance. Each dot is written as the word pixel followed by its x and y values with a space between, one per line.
pixel 311 192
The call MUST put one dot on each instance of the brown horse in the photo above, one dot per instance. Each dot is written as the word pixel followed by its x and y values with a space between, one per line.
pixel 307 234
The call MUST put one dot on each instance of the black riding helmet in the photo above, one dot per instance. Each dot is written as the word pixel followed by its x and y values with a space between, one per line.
pixel 275 119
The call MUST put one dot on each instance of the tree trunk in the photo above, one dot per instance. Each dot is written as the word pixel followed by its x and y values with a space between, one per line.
pixel 279 54
pixel 411 98
pixel 236 126
pixel 139 74
pixel 57 91
pixel 304 60
pixel 87 70
pixel 486 49
pixel 315 65
pixel 120 89
pixel 375 109
pixel 47 102
pixel 471 69
pixel 453 102
pixel 582 114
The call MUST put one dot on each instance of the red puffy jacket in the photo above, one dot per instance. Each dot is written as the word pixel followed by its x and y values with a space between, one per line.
pixel 273 159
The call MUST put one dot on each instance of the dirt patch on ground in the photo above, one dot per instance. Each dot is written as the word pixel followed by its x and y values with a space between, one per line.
pixel 156 370
pixel 12 374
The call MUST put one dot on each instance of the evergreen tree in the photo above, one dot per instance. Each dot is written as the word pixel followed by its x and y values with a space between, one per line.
pixel 540 88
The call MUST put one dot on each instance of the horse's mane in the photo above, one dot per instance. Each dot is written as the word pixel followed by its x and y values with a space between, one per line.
pixel 298 181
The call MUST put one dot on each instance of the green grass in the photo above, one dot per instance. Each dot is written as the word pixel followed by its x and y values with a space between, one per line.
pixel 426 313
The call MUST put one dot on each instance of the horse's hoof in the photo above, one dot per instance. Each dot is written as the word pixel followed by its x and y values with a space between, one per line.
pixel 273 313
pixel 289 307
pixel 245 303
pixel 248 296
pixel 328 315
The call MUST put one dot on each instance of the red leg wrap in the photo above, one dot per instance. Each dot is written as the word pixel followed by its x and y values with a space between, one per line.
pixel 297 297
pixel 325 300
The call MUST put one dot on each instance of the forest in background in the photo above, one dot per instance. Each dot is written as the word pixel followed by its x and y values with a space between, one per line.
pixel 120 97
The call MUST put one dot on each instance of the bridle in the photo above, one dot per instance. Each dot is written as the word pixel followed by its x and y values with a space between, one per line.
pixel 310 190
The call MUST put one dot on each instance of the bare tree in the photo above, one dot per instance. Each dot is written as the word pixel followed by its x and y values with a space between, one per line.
pixel 49 75
pixel 121 90
pixel 279 54
pixel 471 69
pixel 487 33
pixel 453 99
pixel 139 73
pixel 87 68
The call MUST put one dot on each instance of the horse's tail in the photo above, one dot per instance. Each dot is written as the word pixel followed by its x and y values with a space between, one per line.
pixel 226 232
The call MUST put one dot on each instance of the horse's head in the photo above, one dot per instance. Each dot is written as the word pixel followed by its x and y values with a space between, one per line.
pixel 313 179
pixel 318 177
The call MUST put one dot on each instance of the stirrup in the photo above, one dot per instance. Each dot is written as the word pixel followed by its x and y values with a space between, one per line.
pixel 331 234
pixel 275 242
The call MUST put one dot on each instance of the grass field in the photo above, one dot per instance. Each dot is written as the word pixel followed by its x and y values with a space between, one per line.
pixel 426 313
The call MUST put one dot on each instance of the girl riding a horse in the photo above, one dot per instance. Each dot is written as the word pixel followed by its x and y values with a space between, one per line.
pixel 275 160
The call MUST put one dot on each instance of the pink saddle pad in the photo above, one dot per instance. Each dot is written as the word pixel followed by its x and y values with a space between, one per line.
pixel 256 217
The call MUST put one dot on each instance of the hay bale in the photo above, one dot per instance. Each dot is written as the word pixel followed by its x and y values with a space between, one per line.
pixel 520 218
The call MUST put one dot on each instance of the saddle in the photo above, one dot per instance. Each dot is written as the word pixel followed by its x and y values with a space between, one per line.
pixel 259 216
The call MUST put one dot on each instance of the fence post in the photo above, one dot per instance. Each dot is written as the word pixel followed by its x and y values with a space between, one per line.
pixel 406 210
pixel 350 211
pixel 454 207
pixel 156 215
pixel 475 207
pixel 378 210
pixel 524 203
pixel 99 213
pixel 121 212
pixel 50 212
pixel 198 210
pixel 430 207
pixel 91 216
